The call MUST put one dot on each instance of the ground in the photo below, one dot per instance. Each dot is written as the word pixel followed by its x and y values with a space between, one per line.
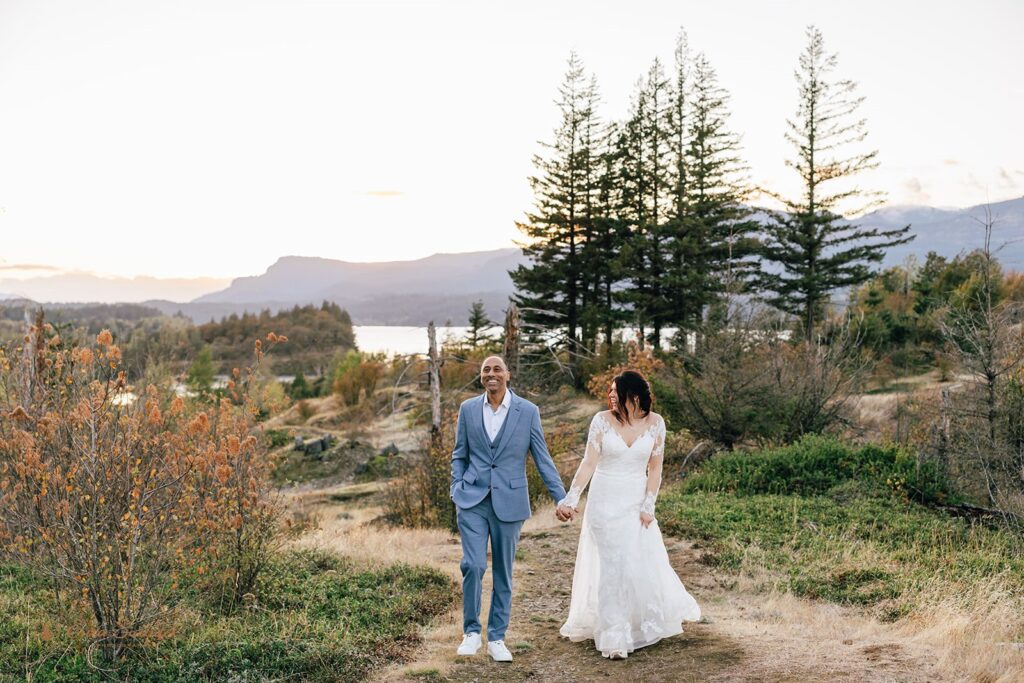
pixel 745 636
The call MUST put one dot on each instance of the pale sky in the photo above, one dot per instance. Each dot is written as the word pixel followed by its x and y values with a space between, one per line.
pixel 208 138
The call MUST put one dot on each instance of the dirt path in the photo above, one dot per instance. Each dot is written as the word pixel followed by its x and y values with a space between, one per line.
pixel 745 637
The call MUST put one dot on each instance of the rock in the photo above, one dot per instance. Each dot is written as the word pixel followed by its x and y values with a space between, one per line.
pixel 300 444
pixel 314 447
pixel 390 450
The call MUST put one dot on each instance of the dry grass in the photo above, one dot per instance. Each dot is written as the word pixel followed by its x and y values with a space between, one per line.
pixel 970 638
pixel 975 631
pixel 348 524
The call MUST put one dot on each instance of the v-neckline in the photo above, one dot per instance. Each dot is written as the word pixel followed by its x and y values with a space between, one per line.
pixel 623 439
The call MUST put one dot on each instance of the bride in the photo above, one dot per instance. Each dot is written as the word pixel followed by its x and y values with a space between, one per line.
pixel 625 594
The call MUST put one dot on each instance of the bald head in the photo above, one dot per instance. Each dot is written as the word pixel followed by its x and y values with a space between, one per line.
pixel 492 360
pixel 494 376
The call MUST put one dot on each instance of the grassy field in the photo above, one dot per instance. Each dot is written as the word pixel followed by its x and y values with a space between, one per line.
pixel 839 523
pixel 318 618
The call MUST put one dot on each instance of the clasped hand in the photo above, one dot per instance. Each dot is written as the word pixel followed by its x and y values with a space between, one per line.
pixel 565 513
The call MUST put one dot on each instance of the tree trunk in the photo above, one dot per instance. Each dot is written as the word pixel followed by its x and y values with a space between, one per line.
pixel 511 350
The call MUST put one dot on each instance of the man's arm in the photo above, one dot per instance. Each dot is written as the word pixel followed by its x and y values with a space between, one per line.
pixel 460 454
pixel 543 460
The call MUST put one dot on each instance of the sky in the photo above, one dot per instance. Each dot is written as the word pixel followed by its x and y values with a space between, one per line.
pixel 208 138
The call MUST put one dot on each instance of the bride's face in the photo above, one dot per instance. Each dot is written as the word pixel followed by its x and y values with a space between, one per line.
pixel 613 397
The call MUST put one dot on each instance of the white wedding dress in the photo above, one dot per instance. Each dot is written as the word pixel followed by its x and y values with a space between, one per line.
pixel 625 594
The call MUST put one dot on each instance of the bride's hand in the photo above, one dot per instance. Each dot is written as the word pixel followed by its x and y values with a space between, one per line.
pixel 646 519
pixel 564 513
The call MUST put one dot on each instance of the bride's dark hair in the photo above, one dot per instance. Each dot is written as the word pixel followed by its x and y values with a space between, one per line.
pixel 631 385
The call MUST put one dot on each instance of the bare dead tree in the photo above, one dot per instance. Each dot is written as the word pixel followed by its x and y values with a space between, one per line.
pixel 435 387
pixel 511 347
pixel 988 344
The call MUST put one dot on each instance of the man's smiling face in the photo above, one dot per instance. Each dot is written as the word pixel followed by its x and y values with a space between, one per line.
pixel 494 375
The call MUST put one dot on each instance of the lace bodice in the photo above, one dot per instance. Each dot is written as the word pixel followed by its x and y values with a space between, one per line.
pixel 616 456
pixel 609 453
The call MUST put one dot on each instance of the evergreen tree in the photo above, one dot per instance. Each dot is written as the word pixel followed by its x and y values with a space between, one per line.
pixel 646 201
pixel 610 234
pixel 478 322
pixel 300 388
pixel 677 282
pixel 200 374
pixel 719 232
pixel 815 248
pixel 552 286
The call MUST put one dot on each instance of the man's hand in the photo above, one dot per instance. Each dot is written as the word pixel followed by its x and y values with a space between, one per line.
pixel 564 513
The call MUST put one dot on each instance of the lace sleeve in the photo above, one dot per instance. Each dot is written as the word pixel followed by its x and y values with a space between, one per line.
pixel 654 467
pixel 598 427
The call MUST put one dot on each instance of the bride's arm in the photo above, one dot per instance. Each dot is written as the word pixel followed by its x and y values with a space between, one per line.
pixel 586 469
pixel 654 467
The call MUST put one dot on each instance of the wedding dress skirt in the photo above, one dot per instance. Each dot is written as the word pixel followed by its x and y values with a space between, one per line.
pixel 625 594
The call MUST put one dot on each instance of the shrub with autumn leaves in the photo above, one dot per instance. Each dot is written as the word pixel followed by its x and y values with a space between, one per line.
pixel 639 359
pixel 116 493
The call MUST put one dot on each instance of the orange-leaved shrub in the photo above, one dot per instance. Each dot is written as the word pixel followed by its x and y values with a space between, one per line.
pixel 641 360
pixel 116 494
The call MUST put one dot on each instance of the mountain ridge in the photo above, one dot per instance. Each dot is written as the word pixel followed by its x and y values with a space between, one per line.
pixel 442 286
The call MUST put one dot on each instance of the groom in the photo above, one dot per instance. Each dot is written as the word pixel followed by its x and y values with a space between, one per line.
pixel 489 489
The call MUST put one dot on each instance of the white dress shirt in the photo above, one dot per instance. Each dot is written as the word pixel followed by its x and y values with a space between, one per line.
pixel 493 419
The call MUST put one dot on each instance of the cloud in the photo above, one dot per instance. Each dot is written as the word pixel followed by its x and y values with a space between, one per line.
pixel 972 181
pixel 915 191
pixel 384 193
pixel 1005 180
pixel 30 266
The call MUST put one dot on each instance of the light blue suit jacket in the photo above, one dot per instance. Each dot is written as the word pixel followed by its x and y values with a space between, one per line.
pixel 477 469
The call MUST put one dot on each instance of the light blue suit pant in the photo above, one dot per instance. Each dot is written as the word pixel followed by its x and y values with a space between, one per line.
pixel 476 525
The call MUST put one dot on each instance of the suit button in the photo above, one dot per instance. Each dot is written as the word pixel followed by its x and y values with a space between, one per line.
pixel 493 466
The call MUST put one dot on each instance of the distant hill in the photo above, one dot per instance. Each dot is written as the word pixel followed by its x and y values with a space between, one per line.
pixel 392 309
pixel 440 287
pixel 298 277
pixel 91 288
pixel 443 286
pixel 951 231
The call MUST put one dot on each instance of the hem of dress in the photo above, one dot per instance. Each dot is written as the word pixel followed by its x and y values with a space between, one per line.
pixel 580 637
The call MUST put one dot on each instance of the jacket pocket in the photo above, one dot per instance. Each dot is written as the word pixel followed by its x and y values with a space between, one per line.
pixel 518 482
pixel 469 476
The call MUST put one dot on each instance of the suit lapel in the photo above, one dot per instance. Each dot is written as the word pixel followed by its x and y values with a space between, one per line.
pixel 479 410
pixel 510 424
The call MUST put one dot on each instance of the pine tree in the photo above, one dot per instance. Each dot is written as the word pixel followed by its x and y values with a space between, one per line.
pixel 200 373
pixel 719 229
pixel 478 322
pixel 681 305
pixel 817 250
pixel 555 281
pixel 300 388
pixel 646 202
pixel 610 235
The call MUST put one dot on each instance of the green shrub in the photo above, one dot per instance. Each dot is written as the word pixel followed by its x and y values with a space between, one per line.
pixel 815 464
pixel 876 551
pixel 356 375
pixel 277 437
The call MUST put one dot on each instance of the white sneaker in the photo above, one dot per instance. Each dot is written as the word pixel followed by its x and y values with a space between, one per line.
pixel 498 652
pixel 470 644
